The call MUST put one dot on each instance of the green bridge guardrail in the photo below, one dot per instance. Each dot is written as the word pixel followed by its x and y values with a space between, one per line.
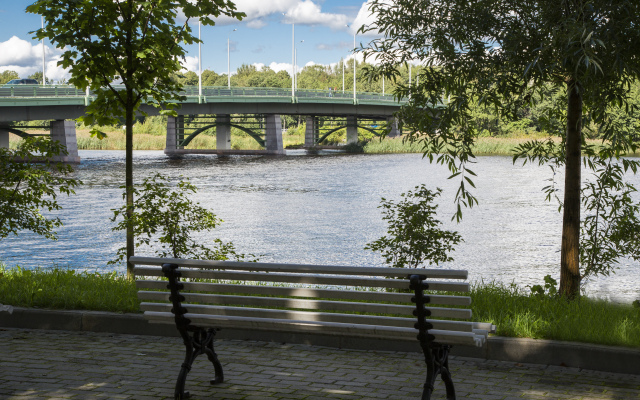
pixel 68 91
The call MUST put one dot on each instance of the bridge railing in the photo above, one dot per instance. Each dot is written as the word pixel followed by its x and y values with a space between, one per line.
pixel 207 91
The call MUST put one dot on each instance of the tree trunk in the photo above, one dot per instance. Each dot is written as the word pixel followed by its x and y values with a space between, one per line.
pixel 570 251
pixel 129 180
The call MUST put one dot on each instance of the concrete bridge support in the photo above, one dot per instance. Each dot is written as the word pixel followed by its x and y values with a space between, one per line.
pixel 393 121
pixel 65 133
pixel 175 126
pixel 352 129
pixel 273 139
pixel 310 131
pixel 223 132
pixel 4 139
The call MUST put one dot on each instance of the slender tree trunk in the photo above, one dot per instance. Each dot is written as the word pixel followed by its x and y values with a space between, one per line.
pixel 570 251
pixel 129 180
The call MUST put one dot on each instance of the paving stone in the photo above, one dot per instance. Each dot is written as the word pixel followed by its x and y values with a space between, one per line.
pixel 40 364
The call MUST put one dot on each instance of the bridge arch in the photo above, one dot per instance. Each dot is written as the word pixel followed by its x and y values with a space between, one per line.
pixel 326 134
pixel 198 131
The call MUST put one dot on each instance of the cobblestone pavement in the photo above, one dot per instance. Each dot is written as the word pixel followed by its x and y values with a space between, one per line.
pixel 38 364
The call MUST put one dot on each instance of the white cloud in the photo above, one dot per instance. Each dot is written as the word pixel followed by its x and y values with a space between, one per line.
pixel 301 12
pixel 308 13
pixel 190 64
pixel 256 24
pixel 277 67
pixel 364 17
pixel 25 58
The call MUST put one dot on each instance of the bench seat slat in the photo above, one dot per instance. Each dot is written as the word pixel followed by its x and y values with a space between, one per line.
pixel 329 328
pixel 306 279
pixel 461 326
pixel 360 295
pixel 326 305
pixel 306 268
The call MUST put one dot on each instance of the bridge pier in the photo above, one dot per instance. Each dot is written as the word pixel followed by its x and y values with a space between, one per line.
pixel 352 129
pixel 310 131
pixel 273 139
pixel 175 125
pixel 4 139
pixel 393 122
pixel 223 132
pixel 65 133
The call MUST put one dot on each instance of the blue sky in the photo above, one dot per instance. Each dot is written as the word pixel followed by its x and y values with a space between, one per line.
pixel 263 38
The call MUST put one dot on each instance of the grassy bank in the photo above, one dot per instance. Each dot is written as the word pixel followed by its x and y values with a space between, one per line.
pixel 115 140
pixel 513 310
pixel 483 146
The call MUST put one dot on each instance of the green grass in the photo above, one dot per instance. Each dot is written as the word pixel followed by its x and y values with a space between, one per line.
pixel 516 313
pixel 513 310
pixel 483 146
pixel 61 288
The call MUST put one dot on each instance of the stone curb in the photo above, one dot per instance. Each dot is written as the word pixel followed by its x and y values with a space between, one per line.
pixel 527 351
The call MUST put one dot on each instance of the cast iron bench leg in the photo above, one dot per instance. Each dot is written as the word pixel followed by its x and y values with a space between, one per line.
pixel 200 343
pixel 437 359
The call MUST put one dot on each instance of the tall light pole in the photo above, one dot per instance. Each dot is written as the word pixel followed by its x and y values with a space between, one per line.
pixel 354 67
pixel 229 59
pixel 296 65
pixel 199 59
pixel 44 80
pixel 343 76
pixel 293 55
pixel 409 79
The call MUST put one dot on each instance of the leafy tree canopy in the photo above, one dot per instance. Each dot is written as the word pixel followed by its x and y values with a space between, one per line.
pixel 7 75
pixel 137 44
pixel 29 183
pixel 507 55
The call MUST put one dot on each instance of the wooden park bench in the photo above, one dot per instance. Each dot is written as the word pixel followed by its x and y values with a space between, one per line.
pixel 393 304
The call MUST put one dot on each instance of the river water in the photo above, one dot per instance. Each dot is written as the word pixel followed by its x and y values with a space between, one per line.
pixel 323 210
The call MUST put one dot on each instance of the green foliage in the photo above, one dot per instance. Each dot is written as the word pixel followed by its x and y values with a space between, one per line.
pixel 38 77
pixel 414 236
pixel 168 217
pixel 611 227
pixel 7 75
pixel 569 60
pixel 354 148
pixel 550 287
pixel 517 313
pixel 63 288
pixel 135 43
pixel 30 182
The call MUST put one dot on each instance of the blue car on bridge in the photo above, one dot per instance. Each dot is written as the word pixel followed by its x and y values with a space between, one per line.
pixel 22 82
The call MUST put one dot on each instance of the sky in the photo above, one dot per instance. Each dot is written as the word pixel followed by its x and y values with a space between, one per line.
pixel 263 38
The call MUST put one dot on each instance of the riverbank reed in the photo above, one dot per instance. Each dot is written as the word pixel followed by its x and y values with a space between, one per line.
pixel 483 146
pixel 515 311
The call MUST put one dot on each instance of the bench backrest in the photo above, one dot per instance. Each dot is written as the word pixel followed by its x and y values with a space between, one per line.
pixel 339 300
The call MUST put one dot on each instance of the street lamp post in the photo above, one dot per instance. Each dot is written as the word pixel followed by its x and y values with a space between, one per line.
pixel 293 55
pixel 229 60
pixel 44 79
pixel 354 67
pixel 343 76
pixel 199 59
pixel 296 65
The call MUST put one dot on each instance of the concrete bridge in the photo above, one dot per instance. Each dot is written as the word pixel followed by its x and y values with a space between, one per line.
pixel 61 104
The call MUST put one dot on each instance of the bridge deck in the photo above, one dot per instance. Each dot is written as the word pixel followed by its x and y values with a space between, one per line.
pixel 32 102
